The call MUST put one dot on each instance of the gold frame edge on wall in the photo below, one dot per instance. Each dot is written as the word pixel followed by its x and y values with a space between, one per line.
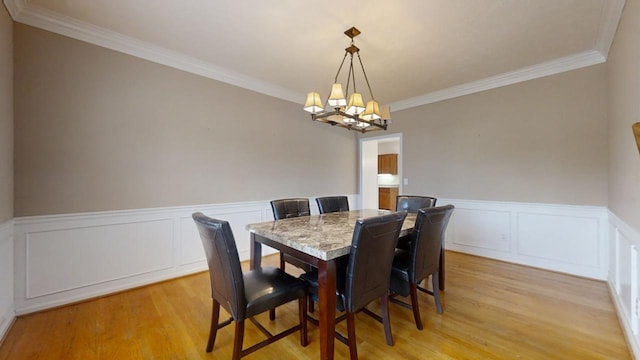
pixel 636 131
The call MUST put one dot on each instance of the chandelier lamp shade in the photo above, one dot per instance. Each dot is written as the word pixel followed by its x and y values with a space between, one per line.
pixel 352 114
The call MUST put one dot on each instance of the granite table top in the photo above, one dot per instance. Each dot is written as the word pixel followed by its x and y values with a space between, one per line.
pixel 325 236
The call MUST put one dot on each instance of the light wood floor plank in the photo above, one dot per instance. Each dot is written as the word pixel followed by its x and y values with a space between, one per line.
pixel 492 310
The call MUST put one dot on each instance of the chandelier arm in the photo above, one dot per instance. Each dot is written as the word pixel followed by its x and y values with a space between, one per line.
pixel 340 68
pixel 349 78
pixel 353 75
pixel 365 77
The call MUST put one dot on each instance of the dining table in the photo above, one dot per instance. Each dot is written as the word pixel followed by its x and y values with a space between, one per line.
pixel 319 240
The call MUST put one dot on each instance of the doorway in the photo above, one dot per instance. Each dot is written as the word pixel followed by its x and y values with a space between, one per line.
pixel 370 180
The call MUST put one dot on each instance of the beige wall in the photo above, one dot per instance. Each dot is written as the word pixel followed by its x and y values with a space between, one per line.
pixel 100 130
pixel 542 141
pixel 6 116
pixel 623 71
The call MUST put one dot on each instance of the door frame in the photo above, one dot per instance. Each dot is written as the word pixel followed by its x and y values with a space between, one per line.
pixel 363 156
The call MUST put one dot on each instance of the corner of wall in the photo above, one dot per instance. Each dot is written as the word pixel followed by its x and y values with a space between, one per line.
pixel 7 302
pixel 624 280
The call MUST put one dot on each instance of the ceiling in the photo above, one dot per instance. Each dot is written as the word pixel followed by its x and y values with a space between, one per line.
pixel 414 51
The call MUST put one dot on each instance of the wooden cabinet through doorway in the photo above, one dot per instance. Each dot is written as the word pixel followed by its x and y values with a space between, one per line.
pixel 388 164
pixel 387 198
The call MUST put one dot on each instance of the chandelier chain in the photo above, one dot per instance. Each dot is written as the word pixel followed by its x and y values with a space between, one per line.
pixel 365 76
pixel 340 68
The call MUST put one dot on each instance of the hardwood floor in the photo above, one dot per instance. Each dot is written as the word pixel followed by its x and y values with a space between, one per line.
pixel 492 310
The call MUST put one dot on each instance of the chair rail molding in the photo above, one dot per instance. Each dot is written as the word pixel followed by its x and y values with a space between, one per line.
pixel 7 307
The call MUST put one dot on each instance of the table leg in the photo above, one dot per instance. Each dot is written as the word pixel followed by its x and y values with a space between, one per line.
pixel 255 256
pixel 327 305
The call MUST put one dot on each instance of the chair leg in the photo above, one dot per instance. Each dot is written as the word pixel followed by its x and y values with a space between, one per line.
pixel 414 305
pixel 239 337
pixel 386 321
pixel 302 315
pixel 311 307
pixel 436 292
pixel 215 316
pixel 281 261
pixel 351 334
pixel 441 269
pixel 272 314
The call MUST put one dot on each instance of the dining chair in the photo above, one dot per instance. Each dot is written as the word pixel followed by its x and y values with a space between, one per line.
pixel 290 208
pixel 411 267
pixel 366 276
pixel 411 204
pixel 329 204
pixel 285 209
pixel 244 295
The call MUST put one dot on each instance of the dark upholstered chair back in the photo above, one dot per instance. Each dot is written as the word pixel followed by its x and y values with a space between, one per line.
pixel 288 208
pixel 227 286
pixel 427 239
pixel 285 209
pixel 329 204
pixel 412 203
pixel 370 259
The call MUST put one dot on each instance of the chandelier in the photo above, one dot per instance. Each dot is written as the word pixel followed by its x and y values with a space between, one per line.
pixel 352 115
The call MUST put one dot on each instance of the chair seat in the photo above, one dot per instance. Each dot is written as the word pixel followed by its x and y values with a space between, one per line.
pixel 399 283
pixel 404 242
pixel 267 287
pixel 311 278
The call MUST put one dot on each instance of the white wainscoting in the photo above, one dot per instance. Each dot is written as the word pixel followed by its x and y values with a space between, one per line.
pixel 7 312
pixel 61 259
pixel 66 258
pixel 564 238
pixel 624 279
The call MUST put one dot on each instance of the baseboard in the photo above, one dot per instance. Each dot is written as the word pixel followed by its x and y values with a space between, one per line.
pixel 632 340
pixel 6 322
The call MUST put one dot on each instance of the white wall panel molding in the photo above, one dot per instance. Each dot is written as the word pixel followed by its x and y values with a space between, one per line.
pixel 61 259
pixel 66 258
pixel 7 312
pixel 564 238
pixel 624 279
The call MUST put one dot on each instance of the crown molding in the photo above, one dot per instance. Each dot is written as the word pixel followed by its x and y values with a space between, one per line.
pixel 611 14
pixel 23 12
pixel 48 20
pixel 15 7
pixel 568 63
